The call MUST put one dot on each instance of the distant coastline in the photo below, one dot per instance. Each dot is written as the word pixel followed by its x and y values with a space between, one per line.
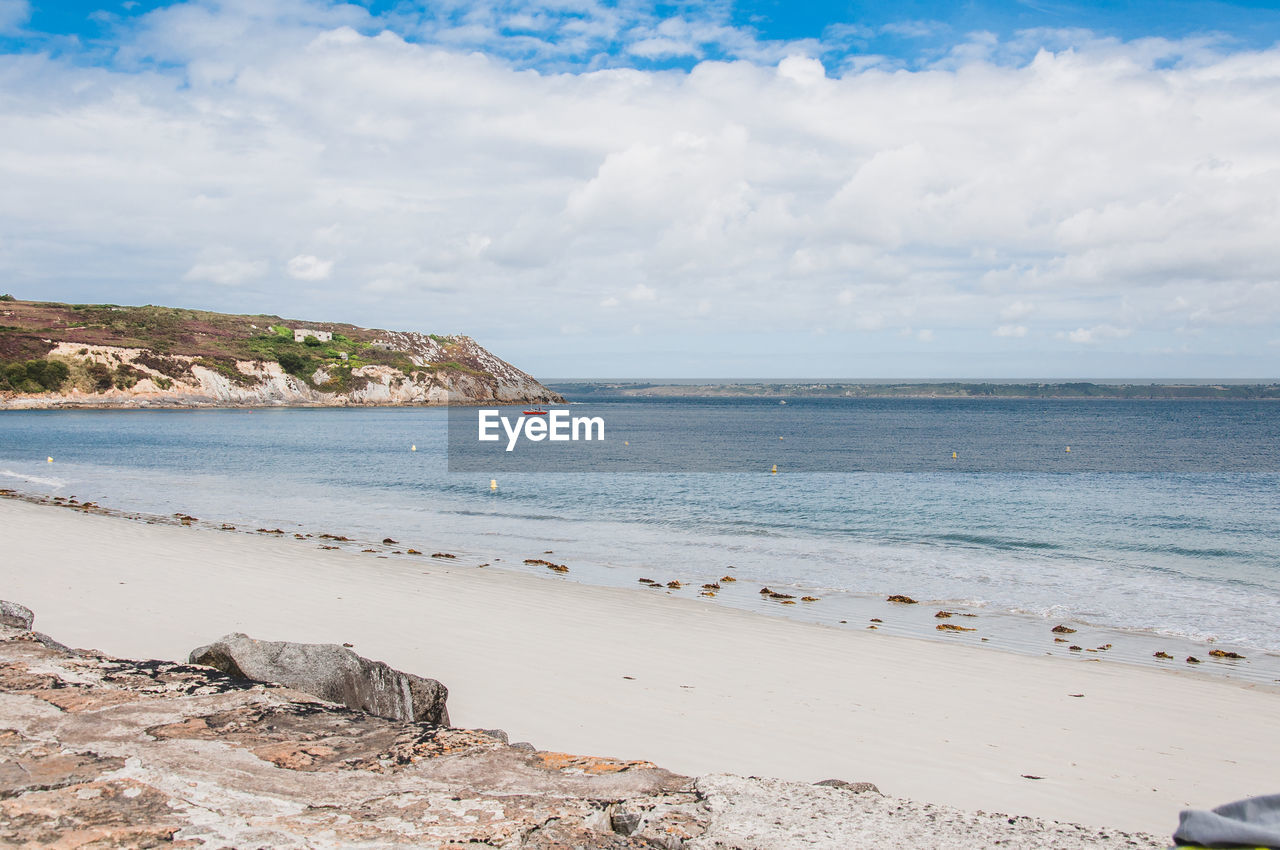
pixel 581 390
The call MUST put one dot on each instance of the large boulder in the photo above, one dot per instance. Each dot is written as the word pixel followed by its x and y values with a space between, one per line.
pixel 15 616
pixel 332 673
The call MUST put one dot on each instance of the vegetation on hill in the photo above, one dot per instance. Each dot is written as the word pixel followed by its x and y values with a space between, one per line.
pixel 173 340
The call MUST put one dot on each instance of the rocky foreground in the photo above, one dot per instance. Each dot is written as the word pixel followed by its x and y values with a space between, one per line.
pixel 98 751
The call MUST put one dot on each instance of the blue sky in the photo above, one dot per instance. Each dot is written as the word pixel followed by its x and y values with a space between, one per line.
pixel 912 31
pixel 764 189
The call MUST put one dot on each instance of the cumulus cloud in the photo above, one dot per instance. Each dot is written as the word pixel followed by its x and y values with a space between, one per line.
pixel 1095 334
pixel 227 272
pixel 640 292
pixel 1055 181
pixel 307 267
pixel 1016 310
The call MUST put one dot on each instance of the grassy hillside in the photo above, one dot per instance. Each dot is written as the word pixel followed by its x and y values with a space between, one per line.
pixel 174 339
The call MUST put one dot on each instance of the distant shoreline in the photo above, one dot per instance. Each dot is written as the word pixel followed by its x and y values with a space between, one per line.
pixel 1068 391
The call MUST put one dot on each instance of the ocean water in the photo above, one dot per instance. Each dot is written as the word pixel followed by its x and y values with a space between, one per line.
pixel 1161 525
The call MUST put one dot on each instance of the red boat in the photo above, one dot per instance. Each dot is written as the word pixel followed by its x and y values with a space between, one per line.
pixel 537 411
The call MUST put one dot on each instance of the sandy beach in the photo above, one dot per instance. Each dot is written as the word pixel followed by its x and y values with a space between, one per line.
pixel 693 687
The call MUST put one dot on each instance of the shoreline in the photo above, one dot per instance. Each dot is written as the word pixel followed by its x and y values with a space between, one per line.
pixel 977 625
pixel 987 628
pixel 696 688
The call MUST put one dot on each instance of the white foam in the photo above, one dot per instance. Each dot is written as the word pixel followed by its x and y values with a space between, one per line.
pixel 55 483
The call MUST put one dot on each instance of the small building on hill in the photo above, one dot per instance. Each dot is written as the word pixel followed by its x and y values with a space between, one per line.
pixel 301 334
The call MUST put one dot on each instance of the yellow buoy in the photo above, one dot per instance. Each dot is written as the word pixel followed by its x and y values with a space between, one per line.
pixel 49 460
pixel 1068 448
pixel 781 438
pixel 953 455
pixel 775 469
pixel 493 484
pixel 626 442
pixel 413 448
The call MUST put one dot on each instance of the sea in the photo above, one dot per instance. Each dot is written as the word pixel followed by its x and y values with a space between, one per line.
pixel 1146 526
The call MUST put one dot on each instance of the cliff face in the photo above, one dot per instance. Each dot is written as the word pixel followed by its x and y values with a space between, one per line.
pixel 57 355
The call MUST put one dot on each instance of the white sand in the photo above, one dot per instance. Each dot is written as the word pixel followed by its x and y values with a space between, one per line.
pixel 714 689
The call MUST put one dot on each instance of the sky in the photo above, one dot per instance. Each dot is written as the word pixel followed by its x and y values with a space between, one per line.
pixel 757 189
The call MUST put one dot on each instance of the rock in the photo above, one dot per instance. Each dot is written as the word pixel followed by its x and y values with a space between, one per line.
pixel 727 578
pixel 1163 655
pixel 1222 653
pixel 1191 659
pixel 808 599
pixel 851 787
pixel 949 627
pixel 674 584
pixel 190 757
pixel 905 600
pixel 942 615
pixel 1063 630
pixel 332 673
pixel 412 552
pixel 387 541
pixel 711 586
pixel 15 616
pixel 442 555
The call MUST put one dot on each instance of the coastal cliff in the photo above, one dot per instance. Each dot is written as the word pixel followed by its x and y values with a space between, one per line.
pixel 61 355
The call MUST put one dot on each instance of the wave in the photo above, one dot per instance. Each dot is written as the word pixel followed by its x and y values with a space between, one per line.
pixel 55 483
pixel 995 542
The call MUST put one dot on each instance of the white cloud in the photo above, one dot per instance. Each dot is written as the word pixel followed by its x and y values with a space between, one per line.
pixel 1016 310
pixel 307 267
pixel 1096 334
pixel 227 272
pixel 1016 331
pixel 924 335
pixel 640 292
pixel 13 14
pixel 456 187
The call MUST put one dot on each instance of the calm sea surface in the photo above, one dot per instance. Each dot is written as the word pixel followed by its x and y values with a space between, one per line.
pixel 1163 519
